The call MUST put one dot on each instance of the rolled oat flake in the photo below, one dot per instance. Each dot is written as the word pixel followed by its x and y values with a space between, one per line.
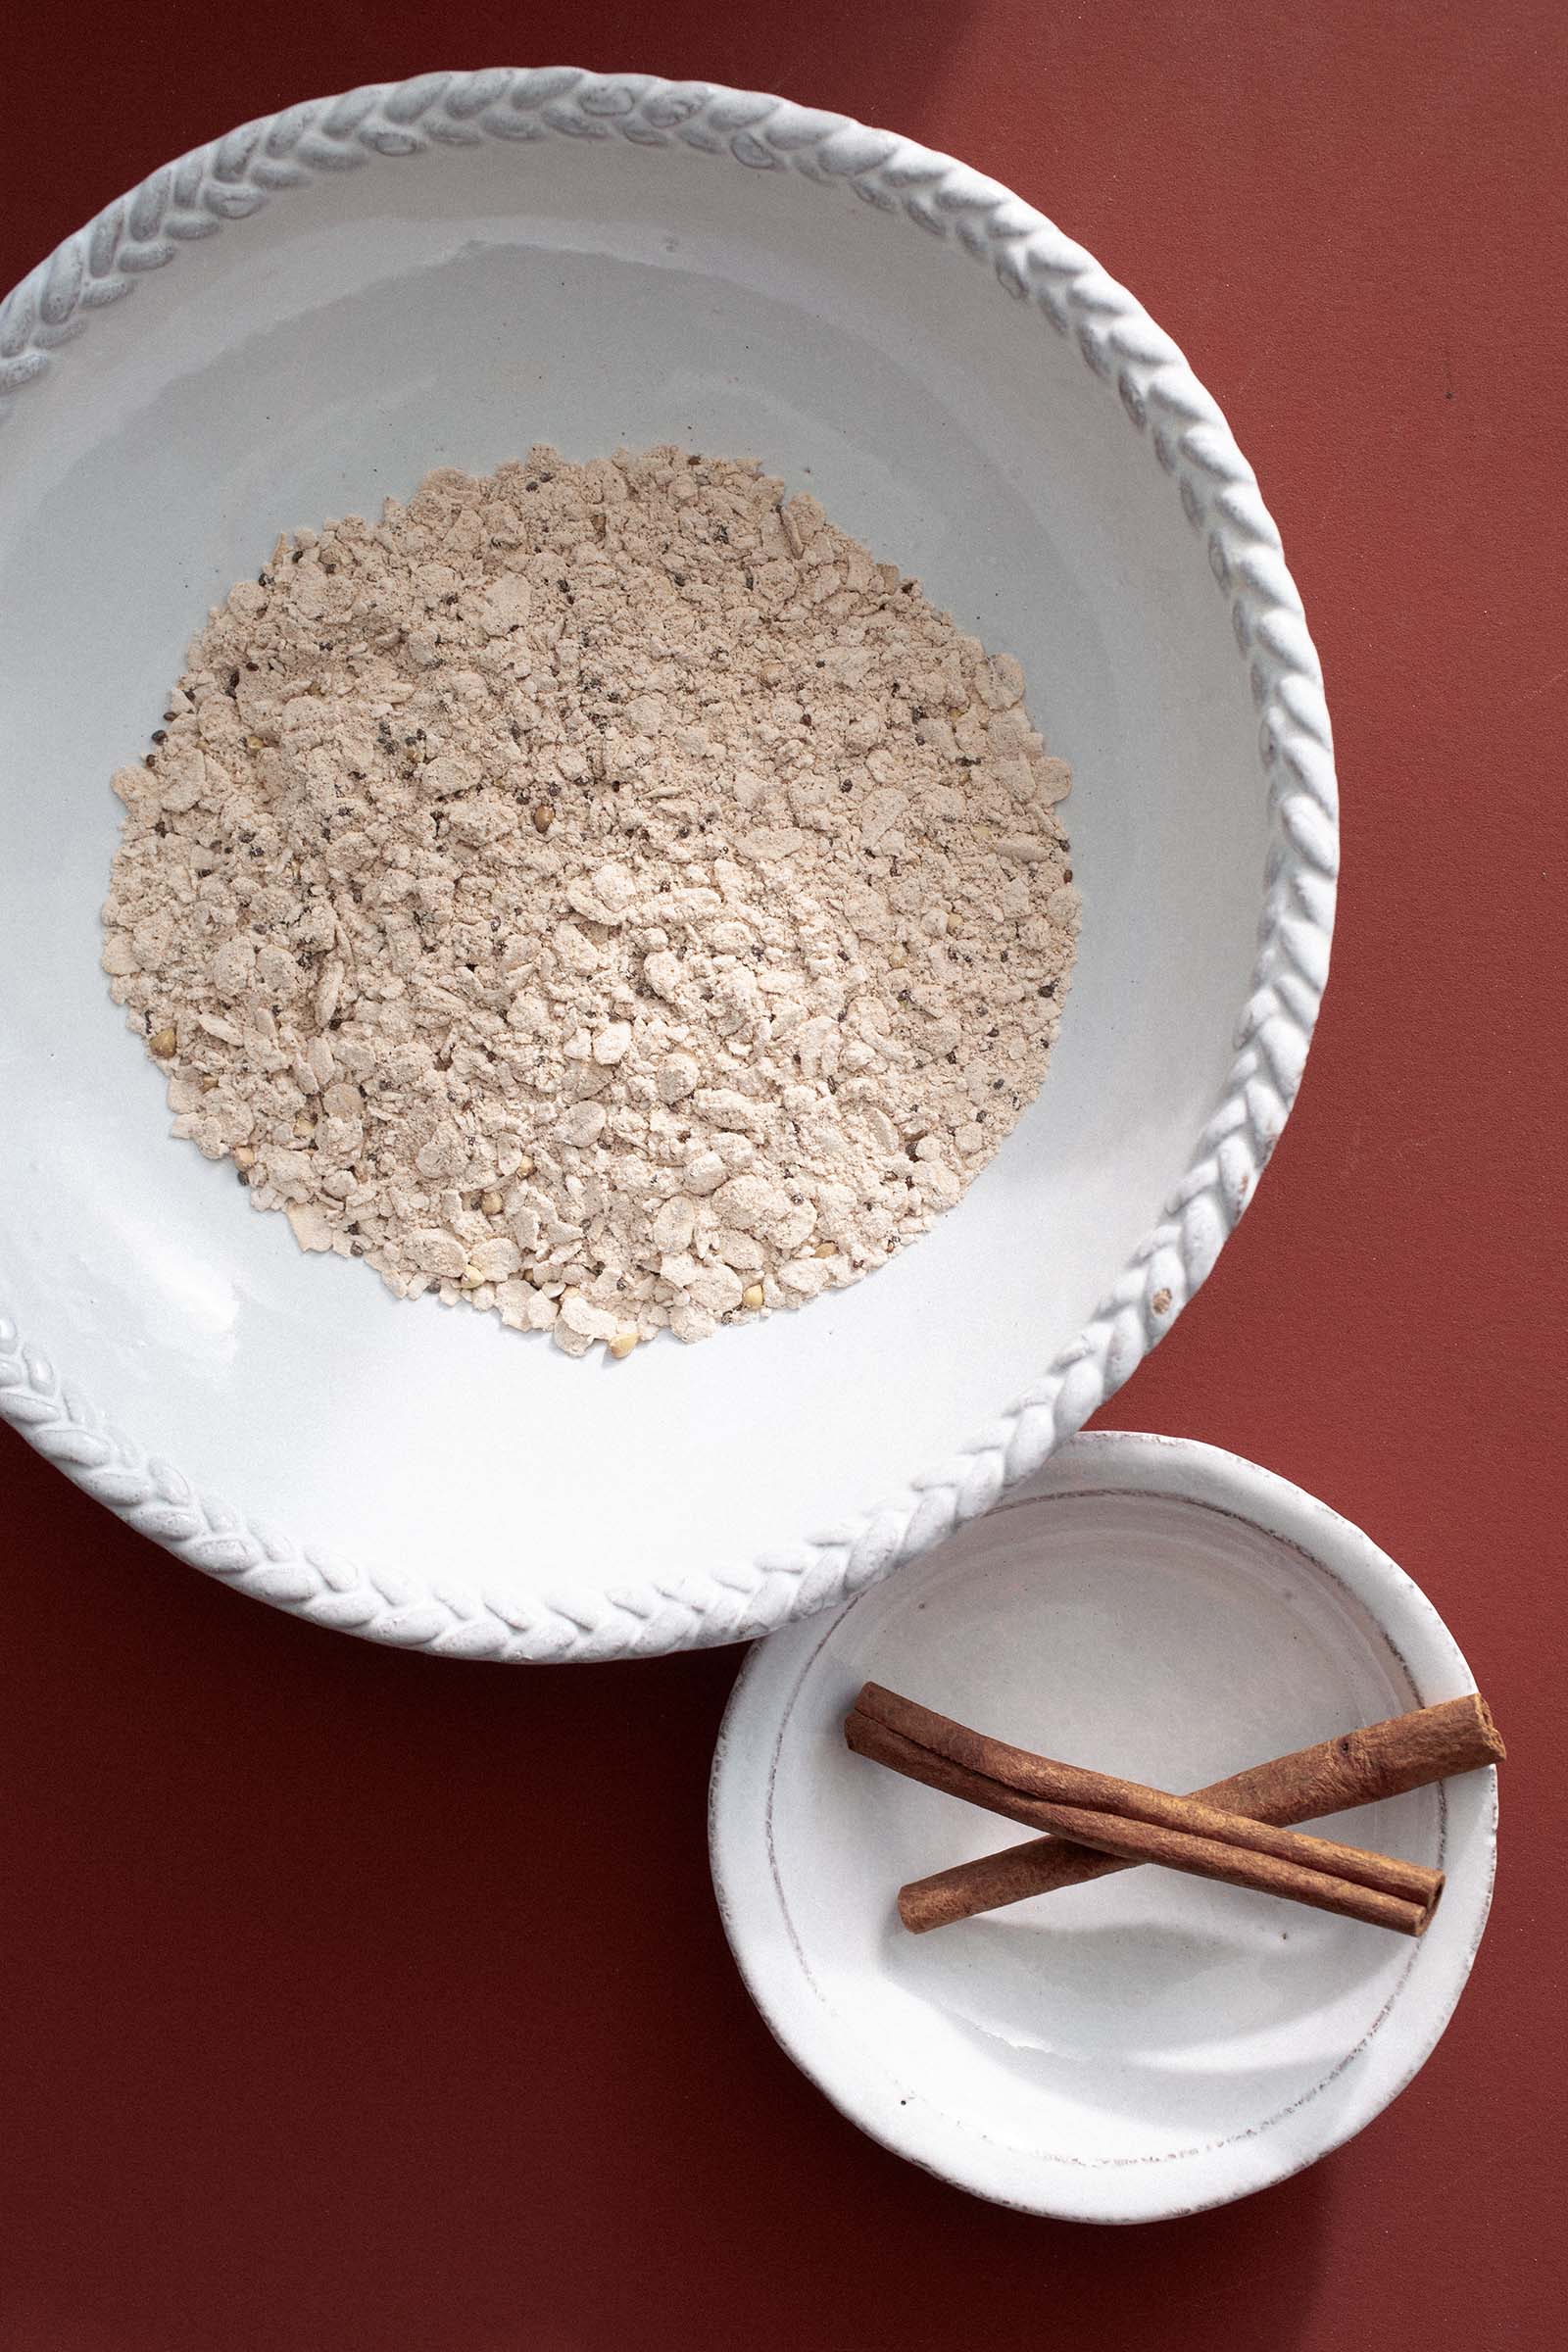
pixel 601 892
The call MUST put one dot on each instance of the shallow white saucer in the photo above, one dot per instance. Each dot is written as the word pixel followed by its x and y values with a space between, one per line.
pixel 1149 2045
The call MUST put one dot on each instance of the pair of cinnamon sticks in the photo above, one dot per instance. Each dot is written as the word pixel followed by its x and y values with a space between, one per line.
pixel 1236 1830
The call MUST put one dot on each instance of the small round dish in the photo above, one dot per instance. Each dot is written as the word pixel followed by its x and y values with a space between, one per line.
pixel 1151 2044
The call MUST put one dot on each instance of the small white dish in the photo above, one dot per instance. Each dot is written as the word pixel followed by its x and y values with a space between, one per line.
pixel 1149 2045
pixel 305 315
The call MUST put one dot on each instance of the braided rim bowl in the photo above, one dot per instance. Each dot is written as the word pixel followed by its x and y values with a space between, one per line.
pixel 593 260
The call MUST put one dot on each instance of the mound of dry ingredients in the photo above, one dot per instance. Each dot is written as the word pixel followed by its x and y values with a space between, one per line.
pixel 601 892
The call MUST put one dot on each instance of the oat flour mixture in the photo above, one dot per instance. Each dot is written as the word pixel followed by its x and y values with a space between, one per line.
pixel 600 892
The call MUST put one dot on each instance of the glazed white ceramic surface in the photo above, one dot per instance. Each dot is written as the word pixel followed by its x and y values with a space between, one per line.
pixel 1148 2045
pixel 307 316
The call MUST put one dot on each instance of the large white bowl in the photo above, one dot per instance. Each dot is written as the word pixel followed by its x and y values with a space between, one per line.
pixel 594 260
pixel 1148 2045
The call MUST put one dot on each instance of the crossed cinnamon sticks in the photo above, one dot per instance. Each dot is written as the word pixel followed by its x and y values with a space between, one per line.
pixel 1236 1830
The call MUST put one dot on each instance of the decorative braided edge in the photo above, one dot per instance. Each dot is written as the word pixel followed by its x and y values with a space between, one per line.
pixel 1165 405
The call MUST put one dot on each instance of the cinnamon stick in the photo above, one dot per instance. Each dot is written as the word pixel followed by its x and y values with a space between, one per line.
pixel 1143 1823
pixel 1334 1775
pixel 1135 1841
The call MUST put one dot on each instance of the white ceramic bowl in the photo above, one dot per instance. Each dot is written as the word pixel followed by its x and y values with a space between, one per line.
pixel 1148 2045
pixel 264 337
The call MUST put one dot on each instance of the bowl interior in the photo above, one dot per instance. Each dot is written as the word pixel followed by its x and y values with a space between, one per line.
pixel 451 309
pixel 1150 2042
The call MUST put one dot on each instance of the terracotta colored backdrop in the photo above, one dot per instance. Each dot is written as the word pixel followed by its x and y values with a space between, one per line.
pixel 354 2003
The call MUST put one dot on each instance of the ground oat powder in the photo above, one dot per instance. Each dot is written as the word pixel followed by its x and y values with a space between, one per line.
pixel 603 893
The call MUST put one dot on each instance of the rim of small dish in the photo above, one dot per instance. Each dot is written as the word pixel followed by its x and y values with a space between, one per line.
pixel 751 1897
pixel 1164 406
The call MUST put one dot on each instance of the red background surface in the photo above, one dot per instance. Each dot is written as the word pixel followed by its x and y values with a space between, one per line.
pixel 360 2003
